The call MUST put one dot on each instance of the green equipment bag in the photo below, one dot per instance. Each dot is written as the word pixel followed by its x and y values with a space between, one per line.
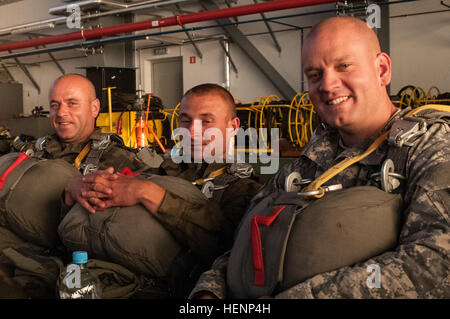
pixel 117 281
pixel 284 240
pixel 129 236
pixel 30 272
pixel 30 192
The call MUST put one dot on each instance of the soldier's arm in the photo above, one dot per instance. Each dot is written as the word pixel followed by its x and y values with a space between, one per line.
pixel 196 225
pixel 419 267
pixel 212 283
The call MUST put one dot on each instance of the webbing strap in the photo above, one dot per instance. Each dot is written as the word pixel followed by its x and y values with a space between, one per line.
pixel 16 163
pixel 213 174
pixel 339 167
pixel 257 255
pixel 82 155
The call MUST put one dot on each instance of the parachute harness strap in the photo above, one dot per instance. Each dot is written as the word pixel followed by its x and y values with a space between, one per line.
pixel 339 167
pixel 20 159
pixel 82 155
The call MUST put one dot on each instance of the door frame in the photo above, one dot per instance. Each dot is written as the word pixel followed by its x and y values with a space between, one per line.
pixel 149 68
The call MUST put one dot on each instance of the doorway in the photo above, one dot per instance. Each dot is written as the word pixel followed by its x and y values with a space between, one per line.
pixel 167 80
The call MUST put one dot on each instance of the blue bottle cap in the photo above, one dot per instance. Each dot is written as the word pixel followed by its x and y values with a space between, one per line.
pixel 80 257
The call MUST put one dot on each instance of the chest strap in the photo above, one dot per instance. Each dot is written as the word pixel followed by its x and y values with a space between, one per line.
pixel 339 167
pixel 94 153
pixel 82 155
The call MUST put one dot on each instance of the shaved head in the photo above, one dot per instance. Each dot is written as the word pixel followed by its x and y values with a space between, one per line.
pixel 79 80
pixel 355 29
pixel 73 108
pixel 347 77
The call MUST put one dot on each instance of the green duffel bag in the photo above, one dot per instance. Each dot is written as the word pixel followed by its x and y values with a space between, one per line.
pixel 304 239
pixel 30 196
pixel 129 236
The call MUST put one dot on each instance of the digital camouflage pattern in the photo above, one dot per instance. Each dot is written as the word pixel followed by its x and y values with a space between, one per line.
pixel 419 267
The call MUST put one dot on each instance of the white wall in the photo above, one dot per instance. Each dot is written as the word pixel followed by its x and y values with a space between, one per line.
pixel 44 74
pixel 26 11
pixel 249 82
pixel 420 46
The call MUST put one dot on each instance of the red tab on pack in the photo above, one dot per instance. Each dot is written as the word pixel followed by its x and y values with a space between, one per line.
pixel 16 163
pixel 257 256
pixel 127 171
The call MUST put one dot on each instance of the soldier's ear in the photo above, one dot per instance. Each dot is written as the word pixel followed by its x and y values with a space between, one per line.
pixel 95 107
pixel 235 122
pixel 384 68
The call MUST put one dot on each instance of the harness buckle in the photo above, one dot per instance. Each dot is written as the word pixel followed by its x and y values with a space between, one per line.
pixel 321 191
pixel 294 182
pixel 208 189
pixel 87 168
pixel 102 143
pixel 40 142
pixel 388 179
pixel 242 170
pixel 405 130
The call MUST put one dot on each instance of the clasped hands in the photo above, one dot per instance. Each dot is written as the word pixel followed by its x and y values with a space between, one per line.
pixel 102 189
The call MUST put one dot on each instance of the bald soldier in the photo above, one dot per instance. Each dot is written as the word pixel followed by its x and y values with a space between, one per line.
pixel 73 110
pixel 347 76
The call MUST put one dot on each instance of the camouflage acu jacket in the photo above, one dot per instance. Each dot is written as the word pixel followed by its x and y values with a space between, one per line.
pixel 419 266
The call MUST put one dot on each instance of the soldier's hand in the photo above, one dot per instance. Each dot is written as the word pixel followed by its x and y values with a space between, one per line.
pixel 123 191
pixel 98 183
pixel 82 189
pixel 128 191
pixel 73 191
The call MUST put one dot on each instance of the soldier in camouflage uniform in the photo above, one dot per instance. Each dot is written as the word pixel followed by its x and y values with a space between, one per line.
pixel 347 75
pixel 207 229
pixel 73 109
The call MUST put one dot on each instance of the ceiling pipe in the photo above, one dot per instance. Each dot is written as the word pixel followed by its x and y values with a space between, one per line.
pixel 165 22
pixel 148 36
pixel 60 20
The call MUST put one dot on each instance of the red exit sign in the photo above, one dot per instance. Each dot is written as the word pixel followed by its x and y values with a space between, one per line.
pixel 192 59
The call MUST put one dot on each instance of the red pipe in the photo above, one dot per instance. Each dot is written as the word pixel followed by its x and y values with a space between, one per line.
pixel 165 22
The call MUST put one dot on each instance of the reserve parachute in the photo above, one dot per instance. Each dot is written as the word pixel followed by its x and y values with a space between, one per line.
pixel 30 196
pixel 340 229
pixel 130 236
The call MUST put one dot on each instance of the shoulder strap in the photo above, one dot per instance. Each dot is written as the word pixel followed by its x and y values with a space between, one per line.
pixel 405 131
pixel 39 146
pixel 217 181
pixel 97 147
pixel 339 167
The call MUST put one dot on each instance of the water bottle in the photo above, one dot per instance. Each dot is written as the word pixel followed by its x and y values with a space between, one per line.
pixel 79 282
